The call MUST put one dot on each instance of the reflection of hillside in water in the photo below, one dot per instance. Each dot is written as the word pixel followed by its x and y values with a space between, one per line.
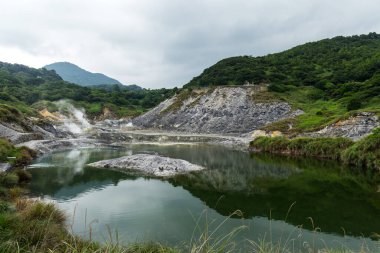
pixel 226 170
pixel 256 185
pixel 332 197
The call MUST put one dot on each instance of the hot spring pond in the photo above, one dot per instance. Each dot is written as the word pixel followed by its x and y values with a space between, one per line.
pixel 303 203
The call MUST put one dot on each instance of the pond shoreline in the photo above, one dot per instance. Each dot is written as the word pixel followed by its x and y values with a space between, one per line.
pixel 235 175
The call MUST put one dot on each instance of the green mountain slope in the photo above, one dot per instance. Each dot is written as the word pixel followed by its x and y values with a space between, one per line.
pixel 74 74
pixel 24 87
pixel 339 66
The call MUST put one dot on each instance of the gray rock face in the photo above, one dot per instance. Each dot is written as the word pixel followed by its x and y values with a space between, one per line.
pixel 228 110
pixel 148 164
pixel 355 127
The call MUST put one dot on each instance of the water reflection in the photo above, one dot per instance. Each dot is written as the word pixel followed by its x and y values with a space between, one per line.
pixel 259 186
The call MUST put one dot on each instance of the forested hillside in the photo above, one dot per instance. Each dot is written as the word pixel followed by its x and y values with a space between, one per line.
pixel 23 87
pixel 339 67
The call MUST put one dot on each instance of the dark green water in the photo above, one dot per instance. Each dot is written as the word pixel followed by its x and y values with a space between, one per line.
pixel 304 203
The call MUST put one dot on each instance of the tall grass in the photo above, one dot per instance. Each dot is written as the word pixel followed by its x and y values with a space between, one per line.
pixel 208 241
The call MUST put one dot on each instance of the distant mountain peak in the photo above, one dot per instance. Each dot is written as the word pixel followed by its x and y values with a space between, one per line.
pixel 74 74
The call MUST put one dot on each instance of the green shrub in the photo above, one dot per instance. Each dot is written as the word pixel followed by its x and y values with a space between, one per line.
pixel 6 149
pixel 365 153
pixel 3 191
pixel 23 175
pixel 4 206
pixel 9 179
pixel 354 104
pixel 24 156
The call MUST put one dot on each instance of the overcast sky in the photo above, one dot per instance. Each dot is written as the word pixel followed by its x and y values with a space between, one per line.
pixel 162 43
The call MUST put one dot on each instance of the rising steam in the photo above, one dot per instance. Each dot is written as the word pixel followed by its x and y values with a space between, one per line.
pixel 74 119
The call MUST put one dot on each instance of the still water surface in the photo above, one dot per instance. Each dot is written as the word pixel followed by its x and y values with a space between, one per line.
pixel 304 203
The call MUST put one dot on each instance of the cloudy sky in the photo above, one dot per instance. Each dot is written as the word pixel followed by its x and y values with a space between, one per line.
pixel 162 43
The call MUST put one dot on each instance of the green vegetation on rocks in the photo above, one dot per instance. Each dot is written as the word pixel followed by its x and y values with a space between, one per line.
pixel 17 157
pixel 364 154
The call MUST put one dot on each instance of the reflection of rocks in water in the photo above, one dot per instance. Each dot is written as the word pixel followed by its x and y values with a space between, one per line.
pixel 236 179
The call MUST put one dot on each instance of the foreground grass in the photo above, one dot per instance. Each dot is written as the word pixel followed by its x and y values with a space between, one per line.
pixel 364 154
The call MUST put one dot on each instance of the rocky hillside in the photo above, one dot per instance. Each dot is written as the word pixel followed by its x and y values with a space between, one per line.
pixel 222 110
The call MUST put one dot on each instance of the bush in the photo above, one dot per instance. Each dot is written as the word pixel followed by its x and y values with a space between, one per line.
pixel 277 87
pixel 365 153
pixel 4 206
pixel 5 149
pixel 9 179
pixel 24 157
pixel 23 175
pixel 354 104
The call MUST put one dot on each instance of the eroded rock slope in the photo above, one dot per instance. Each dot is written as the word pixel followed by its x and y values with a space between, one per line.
pixel 225 110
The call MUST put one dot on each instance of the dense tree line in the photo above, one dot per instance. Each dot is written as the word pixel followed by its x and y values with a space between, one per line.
pixel 19 83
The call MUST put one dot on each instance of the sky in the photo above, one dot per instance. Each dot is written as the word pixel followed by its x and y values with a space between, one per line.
pixel 162 43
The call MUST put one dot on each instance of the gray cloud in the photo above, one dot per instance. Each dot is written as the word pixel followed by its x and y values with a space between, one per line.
pixel 162 43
